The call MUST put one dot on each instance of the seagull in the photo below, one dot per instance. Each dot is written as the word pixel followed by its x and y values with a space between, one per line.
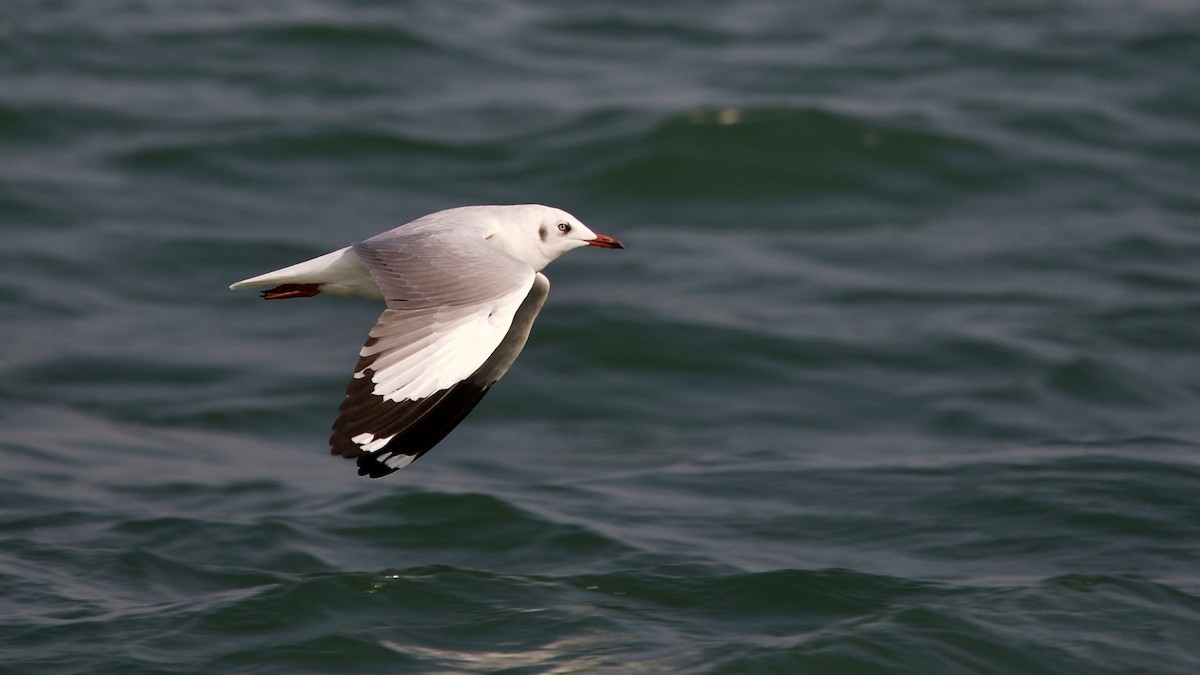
pixel 462 288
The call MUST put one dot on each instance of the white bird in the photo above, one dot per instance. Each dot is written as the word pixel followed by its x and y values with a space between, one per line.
pixel 462 288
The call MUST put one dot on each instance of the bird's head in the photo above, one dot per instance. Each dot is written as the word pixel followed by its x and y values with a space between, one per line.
pixel 538 234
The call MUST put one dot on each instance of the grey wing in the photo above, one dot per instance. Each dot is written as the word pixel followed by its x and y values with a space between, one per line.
pixel 422 269
pixel 456 306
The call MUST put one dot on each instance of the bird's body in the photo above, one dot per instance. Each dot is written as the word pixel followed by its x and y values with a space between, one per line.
pixel 462 288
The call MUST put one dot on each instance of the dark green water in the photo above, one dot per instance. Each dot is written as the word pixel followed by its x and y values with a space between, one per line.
pixel 900 372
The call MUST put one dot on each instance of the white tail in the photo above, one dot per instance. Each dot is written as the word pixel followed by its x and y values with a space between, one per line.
pixel 337 273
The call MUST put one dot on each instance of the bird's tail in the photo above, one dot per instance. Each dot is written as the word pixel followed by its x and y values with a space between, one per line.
pixel 337 273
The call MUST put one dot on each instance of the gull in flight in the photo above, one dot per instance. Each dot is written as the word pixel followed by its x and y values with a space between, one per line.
pixel 462 288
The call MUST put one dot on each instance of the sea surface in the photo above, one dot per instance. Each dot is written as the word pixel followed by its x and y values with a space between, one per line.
pixel 898 373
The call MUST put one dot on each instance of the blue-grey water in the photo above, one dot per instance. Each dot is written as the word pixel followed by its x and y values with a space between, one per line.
pixel 899 373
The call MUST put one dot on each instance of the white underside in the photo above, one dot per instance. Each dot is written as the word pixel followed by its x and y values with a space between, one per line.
pixel 421 352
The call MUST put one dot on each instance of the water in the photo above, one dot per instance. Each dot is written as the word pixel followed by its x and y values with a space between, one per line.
pixel 897 374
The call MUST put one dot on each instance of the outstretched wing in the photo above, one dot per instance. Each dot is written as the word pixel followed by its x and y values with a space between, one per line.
pixel 452 300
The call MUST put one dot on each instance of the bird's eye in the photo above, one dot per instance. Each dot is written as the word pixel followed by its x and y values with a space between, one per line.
pixel 564 227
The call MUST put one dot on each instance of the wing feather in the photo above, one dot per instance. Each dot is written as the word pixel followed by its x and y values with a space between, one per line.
pixel 447 334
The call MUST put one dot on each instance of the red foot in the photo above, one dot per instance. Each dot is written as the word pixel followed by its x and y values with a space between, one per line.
pixel 292 291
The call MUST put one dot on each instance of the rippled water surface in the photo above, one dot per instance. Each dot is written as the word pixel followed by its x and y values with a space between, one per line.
pixel 899 372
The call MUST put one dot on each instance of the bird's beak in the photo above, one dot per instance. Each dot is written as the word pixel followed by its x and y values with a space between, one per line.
pixel 605 241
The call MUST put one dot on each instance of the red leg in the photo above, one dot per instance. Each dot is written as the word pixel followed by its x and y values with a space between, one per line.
pixel 292 291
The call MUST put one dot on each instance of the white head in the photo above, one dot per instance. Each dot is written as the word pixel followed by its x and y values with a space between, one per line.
pixel 538 234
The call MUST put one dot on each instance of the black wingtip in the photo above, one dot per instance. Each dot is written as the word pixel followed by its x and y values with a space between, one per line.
pixel 368 465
